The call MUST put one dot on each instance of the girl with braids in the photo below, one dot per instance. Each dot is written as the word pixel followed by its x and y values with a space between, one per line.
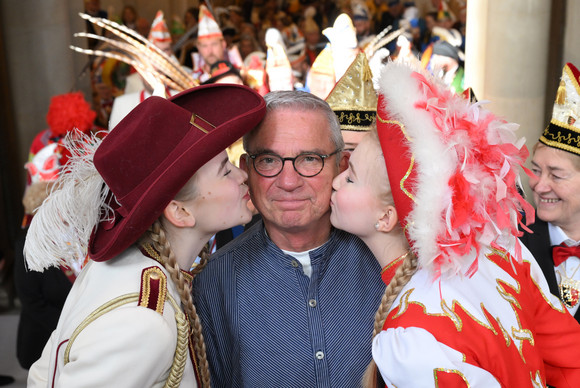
pixel 142 203
pixel 433 194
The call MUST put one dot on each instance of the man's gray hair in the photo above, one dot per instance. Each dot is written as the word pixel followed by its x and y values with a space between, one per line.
pixel 299 101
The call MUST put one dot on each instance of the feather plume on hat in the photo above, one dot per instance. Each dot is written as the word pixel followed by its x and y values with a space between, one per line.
pixel 453 169
pixel 61 228
pixel 128 46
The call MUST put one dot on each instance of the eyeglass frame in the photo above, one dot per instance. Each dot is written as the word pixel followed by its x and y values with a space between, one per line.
pixel 284 160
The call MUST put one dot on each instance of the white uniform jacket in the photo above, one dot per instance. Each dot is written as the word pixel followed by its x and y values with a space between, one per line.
pixel 130 345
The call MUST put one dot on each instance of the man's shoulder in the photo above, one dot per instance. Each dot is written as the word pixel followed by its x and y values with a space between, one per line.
pixel 248 244
pixel 348 241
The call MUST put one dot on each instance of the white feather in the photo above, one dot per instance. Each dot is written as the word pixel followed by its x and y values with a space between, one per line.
pixel 60 230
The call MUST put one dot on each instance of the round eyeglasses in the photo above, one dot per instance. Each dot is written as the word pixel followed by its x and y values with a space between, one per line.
pixel 307 164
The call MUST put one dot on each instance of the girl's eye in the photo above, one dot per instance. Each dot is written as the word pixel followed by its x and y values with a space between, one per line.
pixel 227 172
pixel 348 180
pixel 536 171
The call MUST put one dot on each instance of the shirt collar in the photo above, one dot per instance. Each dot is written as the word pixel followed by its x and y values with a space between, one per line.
pixel 557 236
pixel 149 251
pixel 316 255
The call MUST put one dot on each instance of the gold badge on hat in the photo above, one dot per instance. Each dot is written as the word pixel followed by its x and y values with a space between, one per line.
pixel 353 98
pixel 563 131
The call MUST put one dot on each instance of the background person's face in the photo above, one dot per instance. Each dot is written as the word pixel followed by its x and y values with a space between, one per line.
pixel 556 188
pixel 211 50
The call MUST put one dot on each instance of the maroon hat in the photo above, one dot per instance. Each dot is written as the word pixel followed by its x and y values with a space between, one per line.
pixel 154 151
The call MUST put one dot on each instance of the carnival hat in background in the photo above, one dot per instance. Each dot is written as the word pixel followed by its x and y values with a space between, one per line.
pixel 353 98
pixel 207 27
pixel 343 43
pixel 563 131
pixel 453 168
pixel 144 162
pixel 159 32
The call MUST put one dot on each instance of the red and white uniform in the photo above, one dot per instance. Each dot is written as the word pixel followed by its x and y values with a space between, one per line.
pixel 494 329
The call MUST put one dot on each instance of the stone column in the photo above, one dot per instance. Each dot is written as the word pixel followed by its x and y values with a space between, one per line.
pixel 506 60
pixel 40 64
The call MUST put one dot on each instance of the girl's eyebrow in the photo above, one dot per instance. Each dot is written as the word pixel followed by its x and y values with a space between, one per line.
pixel 223 163
pixel 350 165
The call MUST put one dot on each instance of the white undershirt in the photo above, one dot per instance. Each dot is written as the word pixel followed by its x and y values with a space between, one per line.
pixel 570 266
pixel 304 259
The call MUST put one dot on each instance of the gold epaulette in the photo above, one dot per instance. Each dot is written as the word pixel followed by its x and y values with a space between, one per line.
pixel 153 289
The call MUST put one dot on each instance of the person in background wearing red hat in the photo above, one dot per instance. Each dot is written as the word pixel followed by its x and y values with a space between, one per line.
pixel 433 194
pixel 142 202
pixel 555 241
pixel 211 45
pixel 42 295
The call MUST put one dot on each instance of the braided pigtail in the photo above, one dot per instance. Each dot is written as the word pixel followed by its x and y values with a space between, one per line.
pixel 161 244
pixel 401 278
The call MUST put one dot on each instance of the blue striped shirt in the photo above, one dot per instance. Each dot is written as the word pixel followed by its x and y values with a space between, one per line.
pixel 266 324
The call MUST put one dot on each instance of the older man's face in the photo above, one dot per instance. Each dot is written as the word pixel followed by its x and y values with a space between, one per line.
pixel 290 202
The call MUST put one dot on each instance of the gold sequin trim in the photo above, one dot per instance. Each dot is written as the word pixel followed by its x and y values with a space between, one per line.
pixel 537 381
pixel 404 303
pixel 518 333
pixel 412 162
pixel 449 313
pixel 454 371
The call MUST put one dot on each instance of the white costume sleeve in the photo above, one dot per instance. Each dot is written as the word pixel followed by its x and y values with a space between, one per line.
pixel 412 357
pixel 127 347
pixel 38 373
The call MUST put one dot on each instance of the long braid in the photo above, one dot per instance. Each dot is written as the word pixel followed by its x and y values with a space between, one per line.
pixel 161 244
pixel 401 278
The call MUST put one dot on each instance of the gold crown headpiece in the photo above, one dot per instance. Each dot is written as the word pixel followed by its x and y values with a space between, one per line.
pixel 353 98
pixel 563 131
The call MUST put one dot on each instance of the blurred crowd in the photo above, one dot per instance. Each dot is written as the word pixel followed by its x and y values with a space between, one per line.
pixel 280 45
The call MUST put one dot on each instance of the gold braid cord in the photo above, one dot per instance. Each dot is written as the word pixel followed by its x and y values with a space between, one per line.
pixel 130 47
pixel 181 351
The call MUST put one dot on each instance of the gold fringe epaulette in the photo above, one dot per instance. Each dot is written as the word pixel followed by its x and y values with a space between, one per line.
pixel 153 289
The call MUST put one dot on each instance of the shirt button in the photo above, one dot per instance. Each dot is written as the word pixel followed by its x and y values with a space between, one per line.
pixel 312 303
pixel 294 263
pixel 320 355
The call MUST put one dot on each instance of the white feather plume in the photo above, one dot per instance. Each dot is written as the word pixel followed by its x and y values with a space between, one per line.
pixel 60 230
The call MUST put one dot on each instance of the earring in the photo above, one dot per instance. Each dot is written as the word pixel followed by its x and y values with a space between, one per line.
pixel 377 226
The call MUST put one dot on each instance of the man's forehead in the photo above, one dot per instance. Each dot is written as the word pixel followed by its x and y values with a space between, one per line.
pixel 291 130
pixel 209 42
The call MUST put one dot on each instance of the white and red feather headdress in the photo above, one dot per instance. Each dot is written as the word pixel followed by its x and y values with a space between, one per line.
pixel 453 168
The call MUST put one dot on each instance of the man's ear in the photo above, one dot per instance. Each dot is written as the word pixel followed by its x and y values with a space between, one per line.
pixel 244 162
pixel 343 164
pixel 179 215
pixel 388 220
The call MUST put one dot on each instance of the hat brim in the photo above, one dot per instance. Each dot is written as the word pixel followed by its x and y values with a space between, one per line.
pixel 233 109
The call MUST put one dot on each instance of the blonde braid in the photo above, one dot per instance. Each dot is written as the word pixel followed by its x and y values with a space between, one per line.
pixel 161 244
pixel 401 278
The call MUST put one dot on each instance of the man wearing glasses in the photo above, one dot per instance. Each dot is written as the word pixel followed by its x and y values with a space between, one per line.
pixel 291 302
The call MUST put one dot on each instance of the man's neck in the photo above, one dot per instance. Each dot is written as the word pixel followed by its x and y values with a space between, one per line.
pixel 298 239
